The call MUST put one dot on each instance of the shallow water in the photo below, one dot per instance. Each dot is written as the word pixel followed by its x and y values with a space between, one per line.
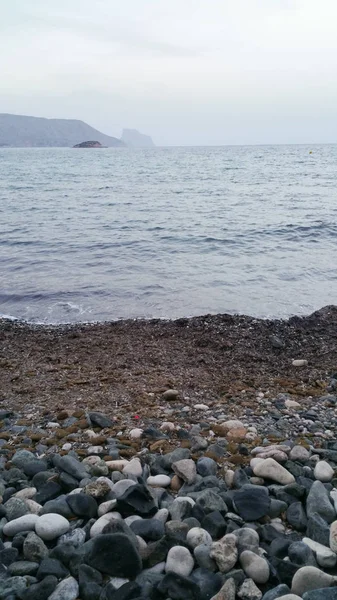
pixel 104 234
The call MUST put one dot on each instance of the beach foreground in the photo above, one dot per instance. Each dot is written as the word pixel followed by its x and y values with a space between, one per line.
pixel 191 459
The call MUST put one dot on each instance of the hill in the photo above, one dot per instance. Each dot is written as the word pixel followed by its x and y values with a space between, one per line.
pixel 21 131
pixel 134 139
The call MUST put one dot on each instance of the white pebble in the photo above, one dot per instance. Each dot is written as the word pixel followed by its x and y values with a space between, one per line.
pixel 51 526
pixel 136 434
pixel 323 471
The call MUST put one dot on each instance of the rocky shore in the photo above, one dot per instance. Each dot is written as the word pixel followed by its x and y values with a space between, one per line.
pixel 192 459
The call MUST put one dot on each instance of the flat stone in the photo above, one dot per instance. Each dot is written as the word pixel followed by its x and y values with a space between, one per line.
pixel 51 526
pixel 179 560
pixel 24 523
pixel 186 470
pixel 225 553
pixel 251 502
pixel 255 566
pixel 310 578
pixel 323 471
pixel 270 469
pixel 66 590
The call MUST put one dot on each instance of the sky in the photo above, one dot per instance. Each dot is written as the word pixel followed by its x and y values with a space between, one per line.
pixel 186 72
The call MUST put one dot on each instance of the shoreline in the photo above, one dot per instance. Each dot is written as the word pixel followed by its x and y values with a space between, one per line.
pixel 131 362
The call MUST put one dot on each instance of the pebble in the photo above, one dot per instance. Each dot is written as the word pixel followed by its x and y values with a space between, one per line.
pixel 299 453
pixel 180 561
pixel 225 553
pixel 186 470
pixel 24 523
pixel 325 557
pixel 134 467
pixel 159 481
pixel 333 536
pixel 249 591
pixel 197 536
pixel 270 469
pixel 310 578
pixel 51 526
pixel 255 566
pixel 136 434
pixel 176 522
pixel 170 395
pixel 323 471
pixel 66 590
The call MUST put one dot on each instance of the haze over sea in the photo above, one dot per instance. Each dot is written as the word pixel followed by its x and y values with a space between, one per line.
pixel 94 235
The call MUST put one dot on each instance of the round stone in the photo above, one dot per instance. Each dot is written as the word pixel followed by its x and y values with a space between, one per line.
pixel 51 526
pixel 255 566
pixel 197 536
pixel 180 561
pixel 323 471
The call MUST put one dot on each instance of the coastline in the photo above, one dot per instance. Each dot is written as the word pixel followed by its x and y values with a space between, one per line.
pixel 124 365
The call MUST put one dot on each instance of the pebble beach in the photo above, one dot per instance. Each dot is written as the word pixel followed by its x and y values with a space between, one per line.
pixel 189 459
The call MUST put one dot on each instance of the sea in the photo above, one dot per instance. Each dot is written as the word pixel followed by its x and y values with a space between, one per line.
pixel 104 234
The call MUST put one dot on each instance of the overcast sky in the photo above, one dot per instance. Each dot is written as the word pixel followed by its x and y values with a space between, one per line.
pixel 184 71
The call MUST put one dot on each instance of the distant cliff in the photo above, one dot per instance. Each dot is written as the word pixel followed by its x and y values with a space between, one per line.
pixel 134 139
pixel 20 131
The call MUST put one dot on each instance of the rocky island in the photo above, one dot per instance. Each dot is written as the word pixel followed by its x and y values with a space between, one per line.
pixel 89 145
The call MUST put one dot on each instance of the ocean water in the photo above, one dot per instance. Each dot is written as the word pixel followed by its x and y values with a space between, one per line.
pixel 94 235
